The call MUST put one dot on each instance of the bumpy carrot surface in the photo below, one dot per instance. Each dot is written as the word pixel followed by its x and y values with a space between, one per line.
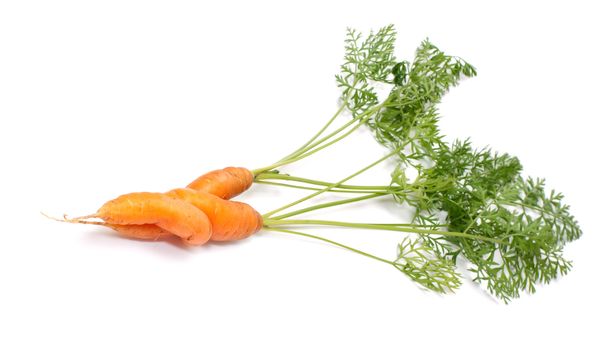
pixel 230 220
pixel 145 231
pixel 196 214
pixel 172 215
pixel 225 183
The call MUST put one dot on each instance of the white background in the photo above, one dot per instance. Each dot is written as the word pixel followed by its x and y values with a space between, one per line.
pixel 103 98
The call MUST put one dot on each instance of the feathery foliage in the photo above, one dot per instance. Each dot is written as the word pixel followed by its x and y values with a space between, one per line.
pixel 470 204
pixel 488 197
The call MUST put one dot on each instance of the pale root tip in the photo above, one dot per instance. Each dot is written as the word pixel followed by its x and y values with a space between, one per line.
pixel 75 220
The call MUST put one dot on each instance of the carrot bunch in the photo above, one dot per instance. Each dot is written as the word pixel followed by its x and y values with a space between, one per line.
pixel 199 213
pixel 466 203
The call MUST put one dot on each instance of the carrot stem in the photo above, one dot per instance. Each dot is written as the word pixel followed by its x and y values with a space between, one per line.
pixel 286 177
pixel 328 204
pixel 321 191
pixel 380 226
pixel 263 182
pixel 355 250
pixel 319 133
pixel 310 149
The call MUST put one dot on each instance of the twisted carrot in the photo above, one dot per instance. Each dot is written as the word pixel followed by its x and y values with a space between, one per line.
pixel 169 214
pixel 230 220
pixel 196 214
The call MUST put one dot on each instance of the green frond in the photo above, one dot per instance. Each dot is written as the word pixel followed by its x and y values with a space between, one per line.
pixel 420 262
pixel 365 61
pixel 489 198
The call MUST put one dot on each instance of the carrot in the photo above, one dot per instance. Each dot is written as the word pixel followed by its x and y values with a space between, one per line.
pixel 194 216
pixel 230 220
pixel 225 183
pixel 146 208
pixel 455 195
pixel 145 231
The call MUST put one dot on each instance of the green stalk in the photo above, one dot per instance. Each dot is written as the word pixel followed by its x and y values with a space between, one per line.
pixel 274 176
pixel 301 155
pixel 311 147
pixel 328 205
pixel 386 227
pixel 321 191
pixel 313 151
pixel 338 189
pixel 334 243
pixel 331 120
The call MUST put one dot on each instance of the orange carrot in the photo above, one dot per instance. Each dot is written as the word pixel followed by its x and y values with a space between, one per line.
pixel 169 214
pixel 145 231
pixel 196 214
pixel 224 183
pixel 230 220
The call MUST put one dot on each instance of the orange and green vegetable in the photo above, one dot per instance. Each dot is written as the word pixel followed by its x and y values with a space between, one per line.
pixel 470 205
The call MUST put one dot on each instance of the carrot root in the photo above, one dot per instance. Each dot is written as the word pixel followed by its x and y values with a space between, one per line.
pixel 196 214
pixel 76 220
pixel 225 183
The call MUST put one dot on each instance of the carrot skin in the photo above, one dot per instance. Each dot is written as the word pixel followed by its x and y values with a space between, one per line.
pixel 225 183
pixel 230 220
pixel 144 232
pixel 172 215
